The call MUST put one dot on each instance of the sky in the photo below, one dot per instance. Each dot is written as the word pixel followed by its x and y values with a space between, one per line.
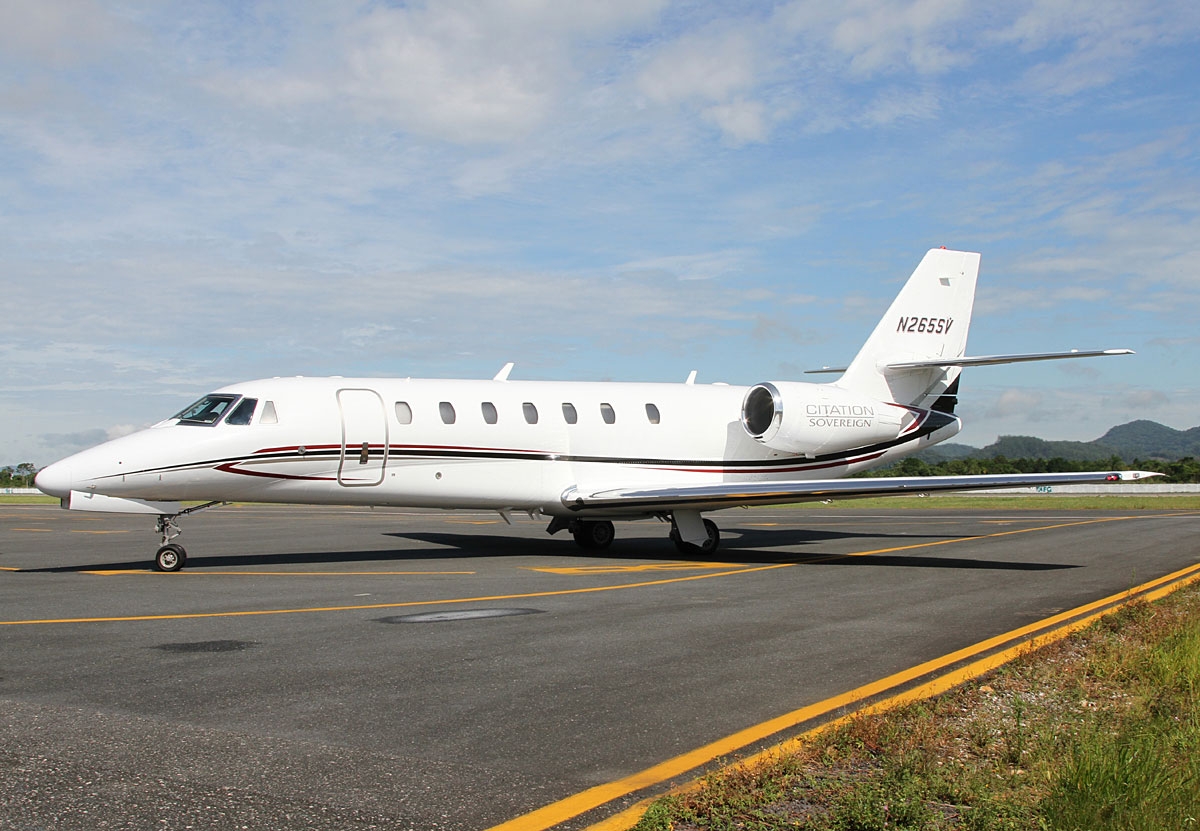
pixel 201 193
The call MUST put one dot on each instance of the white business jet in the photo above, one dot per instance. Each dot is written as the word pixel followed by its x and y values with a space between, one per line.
pixel 579 454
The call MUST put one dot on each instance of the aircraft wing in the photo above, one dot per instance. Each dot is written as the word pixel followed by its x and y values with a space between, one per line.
pixel 744 494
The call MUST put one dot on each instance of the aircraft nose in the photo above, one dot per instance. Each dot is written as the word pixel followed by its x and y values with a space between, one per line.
pixel 54 480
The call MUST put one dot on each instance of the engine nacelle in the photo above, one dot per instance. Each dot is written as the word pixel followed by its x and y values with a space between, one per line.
pixel 813 419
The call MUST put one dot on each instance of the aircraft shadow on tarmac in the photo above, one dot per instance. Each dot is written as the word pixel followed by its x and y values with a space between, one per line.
pixel 738 546
pixel 198 561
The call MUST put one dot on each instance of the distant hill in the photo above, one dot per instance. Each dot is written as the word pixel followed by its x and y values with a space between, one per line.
pixel 1151 440
pixel 1136 440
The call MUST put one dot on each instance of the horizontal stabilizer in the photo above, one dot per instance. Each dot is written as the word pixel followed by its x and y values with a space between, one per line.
pixel 986 360
pixel 730 495
pixel 989 360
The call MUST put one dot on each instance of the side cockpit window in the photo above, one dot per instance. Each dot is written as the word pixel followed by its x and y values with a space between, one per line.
pixel 269 416
pixel 207 411
pixel 243 412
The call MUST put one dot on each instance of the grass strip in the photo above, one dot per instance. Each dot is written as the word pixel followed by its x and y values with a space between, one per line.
pixel 1100 730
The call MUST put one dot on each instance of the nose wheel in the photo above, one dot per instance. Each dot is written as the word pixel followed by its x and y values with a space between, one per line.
pixel 170 557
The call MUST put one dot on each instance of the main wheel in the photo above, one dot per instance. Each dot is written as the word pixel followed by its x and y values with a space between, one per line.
pixel 691 549
pixel 170 557
pixel 593 534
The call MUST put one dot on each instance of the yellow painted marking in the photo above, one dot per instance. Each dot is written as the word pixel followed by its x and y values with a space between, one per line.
pixel 32 530
pixel 472 522
pixel 595 797
pixel 730 744
pixel 401 605
pixel 77 531
pixel 989 536
pixel 126 571
pixel 760 524
pixel 665 581
pixel 8 568
pixel 629 569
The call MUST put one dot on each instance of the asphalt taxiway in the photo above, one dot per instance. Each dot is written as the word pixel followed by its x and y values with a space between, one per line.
pixel 349 668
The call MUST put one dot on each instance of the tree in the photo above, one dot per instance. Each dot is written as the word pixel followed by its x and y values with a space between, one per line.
pixel 20 476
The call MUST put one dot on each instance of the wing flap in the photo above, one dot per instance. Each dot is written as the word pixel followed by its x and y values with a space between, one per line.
pixel 729 494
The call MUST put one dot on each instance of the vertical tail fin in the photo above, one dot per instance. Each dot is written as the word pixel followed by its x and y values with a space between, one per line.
pixel 928 319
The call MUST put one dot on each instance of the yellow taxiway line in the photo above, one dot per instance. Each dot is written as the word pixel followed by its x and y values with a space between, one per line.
pixel 573 806
pixel 1066 625
pixel 549 593
pixel 400 605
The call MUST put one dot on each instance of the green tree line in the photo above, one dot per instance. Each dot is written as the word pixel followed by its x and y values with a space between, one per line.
pixel 1181 471
pixel 18 476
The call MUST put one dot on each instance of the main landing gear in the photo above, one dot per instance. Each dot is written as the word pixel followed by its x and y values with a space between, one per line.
pixel 691 549
pixel 592 534
pixel 171 556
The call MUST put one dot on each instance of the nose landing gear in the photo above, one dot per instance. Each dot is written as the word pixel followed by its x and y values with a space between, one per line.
pixel 171 556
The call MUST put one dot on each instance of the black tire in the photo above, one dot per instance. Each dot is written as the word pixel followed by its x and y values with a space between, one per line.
pixel 708 547
pixel 170 557
pixel 593 535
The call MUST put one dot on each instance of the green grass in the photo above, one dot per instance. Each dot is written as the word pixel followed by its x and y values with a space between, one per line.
pixel 27 499
pixel 1097 731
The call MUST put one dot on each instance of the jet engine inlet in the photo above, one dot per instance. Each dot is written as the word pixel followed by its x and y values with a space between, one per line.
pixel 760 409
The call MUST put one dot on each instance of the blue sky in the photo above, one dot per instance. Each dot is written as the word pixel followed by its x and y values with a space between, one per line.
pixel 195 194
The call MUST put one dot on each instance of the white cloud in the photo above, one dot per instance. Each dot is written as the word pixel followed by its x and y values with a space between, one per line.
pixel 603 188
pixel 61 34
pixel 472 72
pixel 1092 42
pixel 712 66
pixel 690 267
pixel 886 36
pixel 740 122
pixel 1015 402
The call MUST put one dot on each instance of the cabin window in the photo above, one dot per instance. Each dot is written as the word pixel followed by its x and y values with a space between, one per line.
pixel 652 414
pixel 268 414
pixel 608 414
pixel 530 412
pixel 447 411
pixel 569 413
pixel 403 412
pixel 243 412
pixel 489 412
pixel 207 411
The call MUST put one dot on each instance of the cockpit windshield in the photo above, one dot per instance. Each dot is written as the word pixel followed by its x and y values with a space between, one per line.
pixel 207 411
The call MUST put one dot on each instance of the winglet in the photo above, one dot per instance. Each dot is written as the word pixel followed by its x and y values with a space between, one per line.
pixel 502 375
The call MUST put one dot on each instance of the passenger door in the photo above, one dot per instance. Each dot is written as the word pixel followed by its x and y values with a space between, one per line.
pixel 364 438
